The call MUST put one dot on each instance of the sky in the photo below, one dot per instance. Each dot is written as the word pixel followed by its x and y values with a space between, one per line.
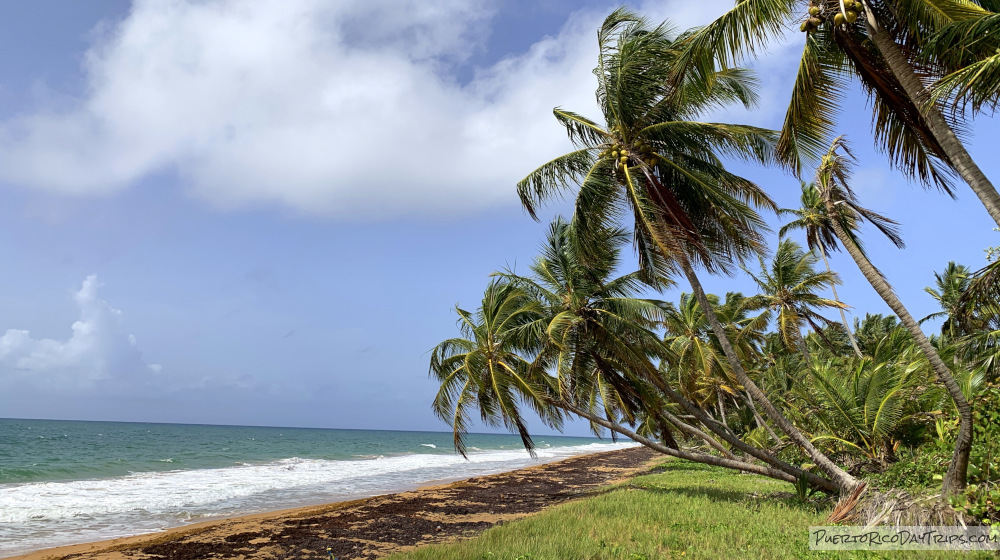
pixel 263 213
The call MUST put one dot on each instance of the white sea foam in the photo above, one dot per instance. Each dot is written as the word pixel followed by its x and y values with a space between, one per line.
pixel 34 515
pixel 431 445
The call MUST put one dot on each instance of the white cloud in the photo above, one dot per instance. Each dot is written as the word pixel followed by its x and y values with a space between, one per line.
pixel 98 350
pixel 342 108
pixel 327 107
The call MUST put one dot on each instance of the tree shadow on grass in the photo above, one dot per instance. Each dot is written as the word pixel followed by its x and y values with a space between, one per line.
pixel 753 501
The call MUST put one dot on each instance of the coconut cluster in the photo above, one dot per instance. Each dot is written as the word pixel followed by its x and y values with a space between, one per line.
pixel 848 14
pixel 815 19
pixel 639 150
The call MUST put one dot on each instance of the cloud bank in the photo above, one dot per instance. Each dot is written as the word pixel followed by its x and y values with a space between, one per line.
pixel 340 108
pixel 99 351
pixel 348 108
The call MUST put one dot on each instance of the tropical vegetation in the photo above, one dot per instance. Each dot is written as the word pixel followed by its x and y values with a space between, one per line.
pixel 766 382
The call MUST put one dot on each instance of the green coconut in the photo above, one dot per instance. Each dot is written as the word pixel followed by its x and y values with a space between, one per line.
pixel 851 16
pixel 839 19
pixel 814 11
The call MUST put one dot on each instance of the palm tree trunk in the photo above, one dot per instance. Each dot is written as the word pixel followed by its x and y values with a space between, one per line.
pixel 703 416
pixel 840 477
pixel 955 478
pixel 960 160
pixel 692 431
pixel 836 298
pixel 815 481
pixel 760 421
pixel 800 341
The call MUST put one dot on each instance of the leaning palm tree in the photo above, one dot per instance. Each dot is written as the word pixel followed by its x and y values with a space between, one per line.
pixel 832 179
pixel 598 332
pixel 820 237
pixel 877 42
pixel 788 288
pixel 696 364
pixel 571 340
pixel 654 164
pixel 489 366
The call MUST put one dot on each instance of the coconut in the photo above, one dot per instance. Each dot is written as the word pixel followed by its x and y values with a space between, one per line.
pixel 815 22
pixel 804 27
pixel 814 11
pixel 839 19
pixel 851 16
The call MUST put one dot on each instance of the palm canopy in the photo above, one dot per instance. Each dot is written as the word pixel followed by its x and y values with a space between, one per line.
pixel 834 53
pixel 970 48
pixel 788 288
pixel 832 181
pixel 697 363
pixel 600 342
pixel 812 218
pixel 649 163
pixel 949 287
pixel 489 367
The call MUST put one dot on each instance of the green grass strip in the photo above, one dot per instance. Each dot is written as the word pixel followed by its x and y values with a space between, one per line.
pixel 682 510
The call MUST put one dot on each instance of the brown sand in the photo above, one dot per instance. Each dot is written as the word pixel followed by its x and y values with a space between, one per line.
pixel 373 527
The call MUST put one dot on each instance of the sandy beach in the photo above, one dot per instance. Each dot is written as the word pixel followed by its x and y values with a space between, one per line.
pixel 374 527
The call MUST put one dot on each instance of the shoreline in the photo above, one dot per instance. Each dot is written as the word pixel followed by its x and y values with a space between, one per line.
pixel 374 526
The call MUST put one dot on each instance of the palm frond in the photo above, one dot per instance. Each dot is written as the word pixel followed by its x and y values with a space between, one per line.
pixel 817 96
pixel 554 178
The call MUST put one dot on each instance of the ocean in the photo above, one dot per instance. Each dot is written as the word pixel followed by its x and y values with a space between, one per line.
pixel 66 482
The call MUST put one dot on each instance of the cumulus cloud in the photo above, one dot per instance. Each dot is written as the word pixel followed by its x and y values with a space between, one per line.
pixel 329 107
pixel 97 351
pixel 346 108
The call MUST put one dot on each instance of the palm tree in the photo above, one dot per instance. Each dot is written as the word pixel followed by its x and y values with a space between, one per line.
pixel 697 362
pixel 873 328
pixel 571 340
pixel 832 178
pixel 820 237
pixel 597 332
pixel 788 287
pixel 951 284
pixel 651 162
pixel 879 44
pixel 979 307
pixel 489 367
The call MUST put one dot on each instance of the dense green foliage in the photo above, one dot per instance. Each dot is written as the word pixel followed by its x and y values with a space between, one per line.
pixel 760 382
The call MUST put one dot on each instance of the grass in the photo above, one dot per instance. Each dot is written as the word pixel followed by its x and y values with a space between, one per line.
pixel 681 510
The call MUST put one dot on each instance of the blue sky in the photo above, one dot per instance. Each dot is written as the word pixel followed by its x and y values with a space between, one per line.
pixel 256 212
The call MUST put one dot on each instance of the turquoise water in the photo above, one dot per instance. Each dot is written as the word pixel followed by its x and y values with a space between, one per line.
pixel 63 482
